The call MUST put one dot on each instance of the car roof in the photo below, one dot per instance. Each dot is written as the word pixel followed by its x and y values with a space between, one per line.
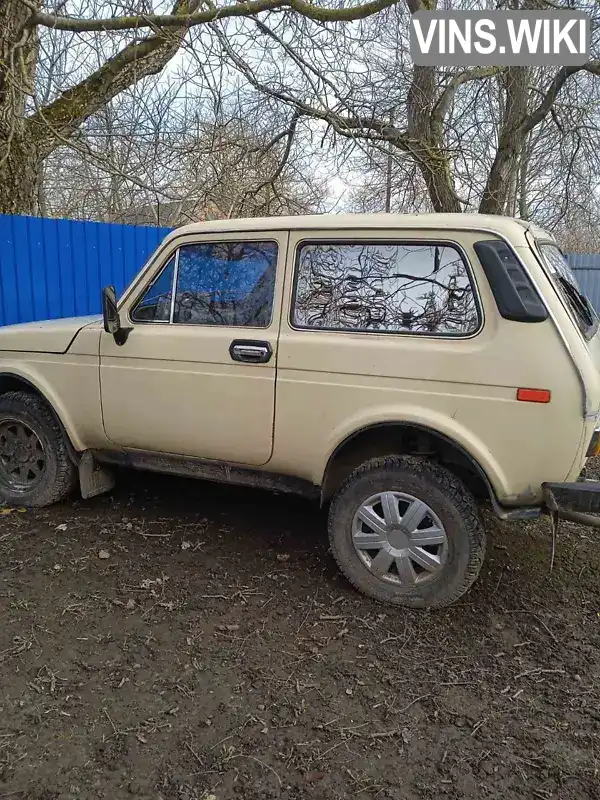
pixel 503 226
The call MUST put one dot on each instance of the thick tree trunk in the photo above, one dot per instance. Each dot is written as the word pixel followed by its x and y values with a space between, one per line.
pixel 18 152
pixel 428 148
pixel 26 140
pixel 506 163
pixel 18 176
pixel 510 144
pixel 437 175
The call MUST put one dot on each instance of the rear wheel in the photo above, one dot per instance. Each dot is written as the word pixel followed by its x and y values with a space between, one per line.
pixel 35 467
pixel 406 531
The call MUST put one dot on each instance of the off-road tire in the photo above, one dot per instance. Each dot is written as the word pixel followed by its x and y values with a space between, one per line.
pixel 60 474
pixel 445 495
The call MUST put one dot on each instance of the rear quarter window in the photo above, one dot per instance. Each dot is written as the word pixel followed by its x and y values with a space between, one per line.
pixel 384 287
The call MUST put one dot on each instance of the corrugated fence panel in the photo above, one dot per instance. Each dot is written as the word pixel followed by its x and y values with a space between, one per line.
pixel 52 268
pixel 586 267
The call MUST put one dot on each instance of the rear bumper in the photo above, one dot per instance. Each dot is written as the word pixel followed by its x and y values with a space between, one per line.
pixel 575 502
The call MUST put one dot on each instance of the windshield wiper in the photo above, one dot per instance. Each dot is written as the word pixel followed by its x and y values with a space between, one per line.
pixel 579 299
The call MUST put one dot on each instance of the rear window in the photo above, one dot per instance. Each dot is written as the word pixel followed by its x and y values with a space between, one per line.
pixel 384 287
pixel 568 288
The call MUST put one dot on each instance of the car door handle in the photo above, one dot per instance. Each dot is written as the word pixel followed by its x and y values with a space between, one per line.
pixel 251 351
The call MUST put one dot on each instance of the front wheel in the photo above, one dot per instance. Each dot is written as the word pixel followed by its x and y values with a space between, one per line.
pixel 35 467
pixel 407 532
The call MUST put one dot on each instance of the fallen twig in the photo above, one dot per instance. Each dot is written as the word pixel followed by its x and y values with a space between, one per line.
pixel 539 671
pixel 258 761
pixel 416 700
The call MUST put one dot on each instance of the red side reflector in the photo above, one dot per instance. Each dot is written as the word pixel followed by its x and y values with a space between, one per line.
pixel 533 395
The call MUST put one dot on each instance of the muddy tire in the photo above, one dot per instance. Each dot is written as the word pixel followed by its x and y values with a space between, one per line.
pixel 35 467
pixel 406 532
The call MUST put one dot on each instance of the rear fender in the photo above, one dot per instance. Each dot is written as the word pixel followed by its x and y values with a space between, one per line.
pixel 446 427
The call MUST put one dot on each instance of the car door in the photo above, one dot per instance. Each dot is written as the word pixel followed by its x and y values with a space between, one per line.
pixel 196 375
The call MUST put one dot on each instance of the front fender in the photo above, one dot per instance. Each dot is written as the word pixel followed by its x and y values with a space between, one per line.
pixel 29 376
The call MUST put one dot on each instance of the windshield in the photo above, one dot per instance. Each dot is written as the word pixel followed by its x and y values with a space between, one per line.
pixel 568 287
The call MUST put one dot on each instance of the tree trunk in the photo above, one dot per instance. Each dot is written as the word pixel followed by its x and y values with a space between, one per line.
pixel 506 163
pixel 428 148
pixel 523 176
pixel 26 140
pixel 437 175
pixel 510 144
pixel 18 177
pixel 18 152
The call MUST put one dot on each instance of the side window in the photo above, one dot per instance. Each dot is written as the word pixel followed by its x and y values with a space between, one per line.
pixel 155 304
pixel 226 283
pixel 384 287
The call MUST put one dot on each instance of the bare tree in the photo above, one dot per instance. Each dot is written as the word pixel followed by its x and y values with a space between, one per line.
pixel 555 179
pixel 466 131
pixel 87 104
pixel 158 160
pixel 136 45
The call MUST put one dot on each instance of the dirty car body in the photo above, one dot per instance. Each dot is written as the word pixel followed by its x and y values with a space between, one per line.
pixel 400 369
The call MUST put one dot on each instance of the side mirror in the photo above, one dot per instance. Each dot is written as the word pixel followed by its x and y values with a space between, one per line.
pixel 110 313
pixel 112 323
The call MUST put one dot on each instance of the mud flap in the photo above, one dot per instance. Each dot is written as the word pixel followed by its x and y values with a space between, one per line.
pixel 94 479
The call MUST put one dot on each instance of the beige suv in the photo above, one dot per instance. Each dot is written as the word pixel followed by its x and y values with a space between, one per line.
pixel 400 369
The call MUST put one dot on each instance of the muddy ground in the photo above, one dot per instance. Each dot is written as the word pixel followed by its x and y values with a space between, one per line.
pixel 181 640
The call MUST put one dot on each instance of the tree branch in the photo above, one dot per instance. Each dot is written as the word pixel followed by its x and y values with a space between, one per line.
pixel 441 107
pixel 138 60
pixel 344 124
pixel 243 9
pixel 536 116
pixel 284 158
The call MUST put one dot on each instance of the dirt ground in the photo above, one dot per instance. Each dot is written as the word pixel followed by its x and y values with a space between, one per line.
pixel 182 640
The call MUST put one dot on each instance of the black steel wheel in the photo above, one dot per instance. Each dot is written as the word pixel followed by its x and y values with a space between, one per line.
pixel 22 456
pixel 35 466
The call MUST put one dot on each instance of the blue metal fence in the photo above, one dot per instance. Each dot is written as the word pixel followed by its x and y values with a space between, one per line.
pixel 51 268
pixel 586 267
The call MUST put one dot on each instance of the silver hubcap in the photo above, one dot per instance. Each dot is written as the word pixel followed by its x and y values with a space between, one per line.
pixel 22 457
pixel 400 539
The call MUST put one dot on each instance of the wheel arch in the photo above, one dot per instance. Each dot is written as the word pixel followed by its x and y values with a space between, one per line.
pixel 402 438
pixel 11 381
